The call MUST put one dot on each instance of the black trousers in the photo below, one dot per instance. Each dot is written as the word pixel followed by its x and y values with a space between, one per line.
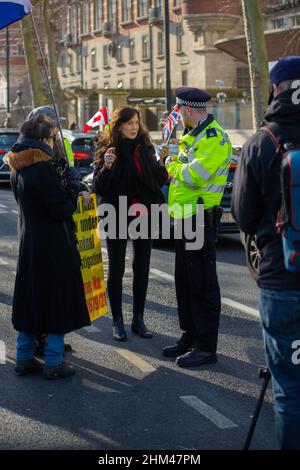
pixel 198 292
pixel 116 267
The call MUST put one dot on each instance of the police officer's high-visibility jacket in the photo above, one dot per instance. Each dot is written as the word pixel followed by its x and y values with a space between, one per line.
pixel 200 169
pixel 69 151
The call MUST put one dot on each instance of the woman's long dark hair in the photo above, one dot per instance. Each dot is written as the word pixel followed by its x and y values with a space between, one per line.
pixel 111 137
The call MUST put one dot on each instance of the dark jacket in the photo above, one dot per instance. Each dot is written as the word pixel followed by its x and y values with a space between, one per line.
pixel 126 179
pixel 257 193
pixel 49 294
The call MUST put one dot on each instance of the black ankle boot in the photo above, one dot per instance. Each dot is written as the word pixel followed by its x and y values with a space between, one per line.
pixel 138 326
pixel 119 330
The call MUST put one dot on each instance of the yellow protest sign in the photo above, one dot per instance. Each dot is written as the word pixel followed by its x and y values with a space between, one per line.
pixel 89 247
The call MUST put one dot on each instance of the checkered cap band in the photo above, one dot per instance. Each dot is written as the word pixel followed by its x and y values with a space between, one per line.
pixel 192 104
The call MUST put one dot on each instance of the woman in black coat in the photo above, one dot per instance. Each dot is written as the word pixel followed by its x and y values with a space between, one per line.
pixel 49 294
pixel 126 165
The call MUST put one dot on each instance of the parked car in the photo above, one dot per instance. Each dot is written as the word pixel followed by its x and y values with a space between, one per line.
pixel 252 253
pixel 7 139
pixel 83 146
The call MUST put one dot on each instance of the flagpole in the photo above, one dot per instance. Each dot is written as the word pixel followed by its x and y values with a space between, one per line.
pixel 49 84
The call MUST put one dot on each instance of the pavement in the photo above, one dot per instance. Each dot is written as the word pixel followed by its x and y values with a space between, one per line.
pixel 127 395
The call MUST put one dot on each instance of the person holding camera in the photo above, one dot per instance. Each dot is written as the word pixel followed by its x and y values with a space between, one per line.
pixel 257 199
pixel 198 176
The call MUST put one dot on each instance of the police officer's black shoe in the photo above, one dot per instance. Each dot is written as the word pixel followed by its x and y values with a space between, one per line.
pixel 119 330
pixel 195 358
pixel 181 347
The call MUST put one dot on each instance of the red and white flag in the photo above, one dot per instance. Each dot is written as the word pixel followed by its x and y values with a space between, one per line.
pixel 101 117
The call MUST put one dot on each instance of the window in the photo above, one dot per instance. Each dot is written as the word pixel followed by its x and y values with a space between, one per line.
pixel 120 84
pixel 132 83
pixel 296 21
pixel 279 23
pixel 112 12
pixel 160 43
pixel 98 13
pixel 176 3
pixel 146 82
pixel 20 49
pixel 131 50
pixel 106 85
pixel 105 55
pixel 179 34
pixel 145 47
pixel 73 23
pixel 184 78
pixel 78 61
pixel 242 77
pixel 71 63
pixel 143 8
pixel 85 18
pixel 93 59
pixel 119 54
pixel 127 10
pixel 159 81
pixel 64 62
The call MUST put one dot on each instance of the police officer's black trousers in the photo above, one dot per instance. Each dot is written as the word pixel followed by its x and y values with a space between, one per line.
pixel 198 292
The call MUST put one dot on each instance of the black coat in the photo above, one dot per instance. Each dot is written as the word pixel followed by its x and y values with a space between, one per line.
pixel 124 178
pixel 49 294
pixel 257 191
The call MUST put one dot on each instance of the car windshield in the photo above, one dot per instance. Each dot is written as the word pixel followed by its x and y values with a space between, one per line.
pixel 84 145
pixel 7 140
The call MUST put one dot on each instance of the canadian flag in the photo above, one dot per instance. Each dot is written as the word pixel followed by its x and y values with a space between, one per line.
pixel 101 117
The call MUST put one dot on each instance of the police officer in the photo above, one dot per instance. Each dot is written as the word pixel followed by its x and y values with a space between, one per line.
pixel 198 173
pixel 255 204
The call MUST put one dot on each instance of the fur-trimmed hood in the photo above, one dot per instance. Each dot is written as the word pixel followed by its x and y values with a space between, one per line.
pixel 19 160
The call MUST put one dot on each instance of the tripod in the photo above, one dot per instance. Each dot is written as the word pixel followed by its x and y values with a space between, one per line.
pixel 264 374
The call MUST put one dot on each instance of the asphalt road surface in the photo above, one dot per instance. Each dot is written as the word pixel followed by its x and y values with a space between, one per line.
pixel 127 395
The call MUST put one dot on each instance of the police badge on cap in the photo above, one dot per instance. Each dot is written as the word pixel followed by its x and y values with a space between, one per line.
pixel 193 97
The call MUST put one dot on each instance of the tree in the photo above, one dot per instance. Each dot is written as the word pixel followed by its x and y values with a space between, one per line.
pixel 257 59
pixel 38 96
pixel 48 34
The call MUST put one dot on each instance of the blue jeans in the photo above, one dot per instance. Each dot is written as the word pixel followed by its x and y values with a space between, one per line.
pixel 280 315
pixel 54 348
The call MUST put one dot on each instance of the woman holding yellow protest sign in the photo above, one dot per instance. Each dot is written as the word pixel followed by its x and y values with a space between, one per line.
pixel 49 295
pixel 126 166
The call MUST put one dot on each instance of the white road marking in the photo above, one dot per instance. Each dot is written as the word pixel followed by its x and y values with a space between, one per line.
pixel 162 274
pixel 136 361
pixel 14 212
pixel 3 262
pixel 3 206
pixel 209 412
pixel 92 329
pixel 241 307
pixel 3 211
pixel 225 300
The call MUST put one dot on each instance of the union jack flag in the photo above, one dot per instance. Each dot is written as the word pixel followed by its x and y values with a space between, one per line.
pixel 171 122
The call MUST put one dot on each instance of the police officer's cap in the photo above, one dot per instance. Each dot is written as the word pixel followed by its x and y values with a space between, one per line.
pixel 46 111
pixel 287 68
pixel 193 97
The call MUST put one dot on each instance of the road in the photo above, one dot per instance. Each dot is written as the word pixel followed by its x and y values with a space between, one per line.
pixel 127 395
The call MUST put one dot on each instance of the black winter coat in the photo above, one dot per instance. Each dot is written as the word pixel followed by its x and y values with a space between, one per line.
pixel 49 294
pixel 124 179
pixel 257 191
